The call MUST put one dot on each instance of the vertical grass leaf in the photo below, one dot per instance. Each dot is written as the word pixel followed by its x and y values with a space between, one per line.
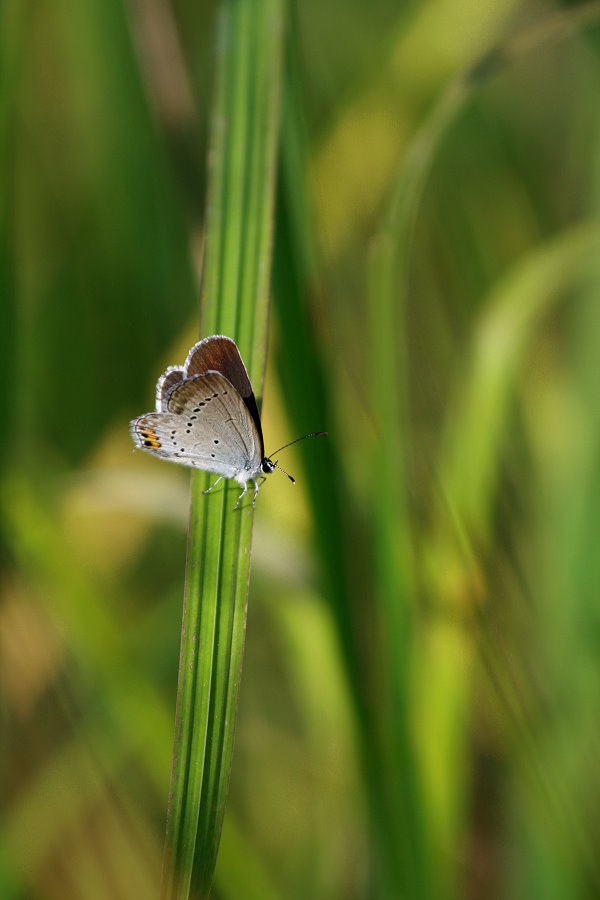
pixel 235 302
pixel 407 860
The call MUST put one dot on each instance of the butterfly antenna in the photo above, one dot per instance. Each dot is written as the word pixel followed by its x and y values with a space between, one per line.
pixel 303 438
pixel 277 466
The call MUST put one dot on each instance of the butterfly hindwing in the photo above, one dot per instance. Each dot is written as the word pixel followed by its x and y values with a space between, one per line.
pixel 203 423
pixel 166 382
pixel 160 434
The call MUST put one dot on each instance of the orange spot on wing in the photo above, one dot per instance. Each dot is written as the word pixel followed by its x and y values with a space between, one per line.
pixel 150 439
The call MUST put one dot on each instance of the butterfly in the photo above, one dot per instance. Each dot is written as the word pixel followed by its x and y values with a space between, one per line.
pixel 207 417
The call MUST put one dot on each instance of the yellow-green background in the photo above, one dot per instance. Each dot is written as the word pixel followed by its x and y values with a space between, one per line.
pixel 420 707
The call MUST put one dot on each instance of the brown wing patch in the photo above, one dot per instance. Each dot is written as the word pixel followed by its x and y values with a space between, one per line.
pixel 219 354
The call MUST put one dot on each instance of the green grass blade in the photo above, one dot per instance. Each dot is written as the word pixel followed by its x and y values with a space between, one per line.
pixel 393 801
pixel 478 414
pixel 11 26
pixel 300 362
pixel 402 779
pixel 235 292
pixel 478 418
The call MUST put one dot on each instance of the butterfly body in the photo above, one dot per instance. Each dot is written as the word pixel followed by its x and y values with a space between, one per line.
pixel 207 417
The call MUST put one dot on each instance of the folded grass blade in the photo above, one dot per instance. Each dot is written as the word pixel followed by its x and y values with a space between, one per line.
pixel 235 291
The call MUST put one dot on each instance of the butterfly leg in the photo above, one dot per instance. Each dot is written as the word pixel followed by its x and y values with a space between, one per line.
pixel 257 483
pixel 213 486
pixel 241 495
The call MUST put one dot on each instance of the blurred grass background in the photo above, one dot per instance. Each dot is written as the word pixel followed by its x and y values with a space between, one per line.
pixel 419 707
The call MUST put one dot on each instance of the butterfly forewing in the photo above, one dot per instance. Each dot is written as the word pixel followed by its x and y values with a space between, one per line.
pixel 206 424
pixel 218 353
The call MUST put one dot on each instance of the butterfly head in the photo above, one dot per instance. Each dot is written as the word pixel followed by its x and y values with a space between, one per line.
pixel 268 466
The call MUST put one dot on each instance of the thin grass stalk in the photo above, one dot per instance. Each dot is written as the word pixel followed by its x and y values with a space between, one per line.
pixel 388 279
pixel 399 806
pixel 13 23
pixel 336 523
pixel 301 362
pixel 235 302
pixel 510 321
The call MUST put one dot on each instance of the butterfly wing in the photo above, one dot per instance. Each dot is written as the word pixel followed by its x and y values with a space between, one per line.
pixel 206 425
pixel 166 382
pixel 219 353
pixel 216 353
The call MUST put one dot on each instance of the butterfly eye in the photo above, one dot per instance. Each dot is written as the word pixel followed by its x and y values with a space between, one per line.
pixel 267 466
